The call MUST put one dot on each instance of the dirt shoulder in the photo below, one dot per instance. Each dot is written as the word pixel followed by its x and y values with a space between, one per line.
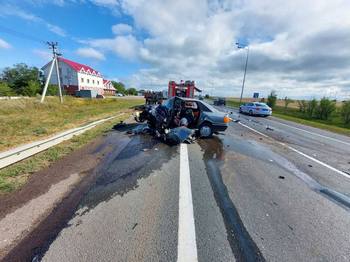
pixel 48 198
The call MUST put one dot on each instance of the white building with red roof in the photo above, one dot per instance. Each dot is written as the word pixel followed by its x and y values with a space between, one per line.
pixel 75 77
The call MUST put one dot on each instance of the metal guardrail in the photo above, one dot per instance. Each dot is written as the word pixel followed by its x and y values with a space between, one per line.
pixel 19 153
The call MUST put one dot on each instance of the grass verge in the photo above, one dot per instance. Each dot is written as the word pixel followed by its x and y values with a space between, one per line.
pixel 16 175
pixel 26 120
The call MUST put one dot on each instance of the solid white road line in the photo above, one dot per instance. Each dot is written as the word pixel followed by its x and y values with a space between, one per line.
pixel 301 153
pixel 315 134
pixel 252 129
pixel 186 246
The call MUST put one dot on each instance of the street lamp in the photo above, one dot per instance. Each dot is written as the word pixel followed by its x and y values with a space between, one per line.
pixel 240 46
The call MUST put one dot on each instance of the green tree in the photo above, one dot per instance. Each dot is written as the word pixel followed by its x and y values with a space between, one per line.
pixel 132 91
pixel 311 107
pixel 325 108
pixel 22 79
pixel 345 112
pixel 5 90
pixel 302 106
pixel 119 86
pixel 287 101
pixel 272 99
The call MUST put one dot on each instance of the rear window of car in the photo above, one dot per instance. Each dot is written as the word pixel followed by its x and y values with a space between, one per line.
pixel 260 104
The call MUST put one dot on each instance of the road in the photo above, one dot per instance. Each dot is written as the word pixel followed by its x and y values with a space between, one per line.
pixel 266 190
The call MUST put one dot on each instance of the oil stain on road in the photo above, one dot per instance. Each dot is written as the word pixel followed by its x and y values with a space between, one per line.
pixel 242 245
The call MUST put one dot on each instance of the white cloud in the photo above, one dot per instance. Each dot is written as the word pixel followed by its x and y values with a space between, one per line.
pixel 11 10
pixel 299 48
pixel 44 54
pixel 121 29
pixel 90 53
pixel 56 29
pixel 4 44
pixel 124 46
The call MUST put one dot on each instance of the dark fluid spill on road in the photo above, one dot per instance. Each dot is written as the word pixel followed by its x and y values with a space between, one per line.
pixel 120 173
pixel 243 246
pixel 124 163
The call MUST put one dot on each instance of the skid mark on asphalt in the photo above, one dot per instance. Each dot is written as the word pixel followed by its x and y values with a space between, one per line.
pixel 187 247
pixel 243 246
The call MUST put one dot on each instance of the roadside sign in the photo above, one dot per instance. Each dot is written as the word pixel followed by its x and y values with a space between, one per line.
pixel 256 95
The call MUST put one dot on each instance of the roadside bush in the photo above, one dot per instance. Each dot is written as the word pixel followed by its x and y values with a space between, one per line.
pixel 52 90
pixel 272 99
pixel 311 107
pixel 325 108
pixel 287 101
pixel 31 89
pixel 5 90
pixel 302 106
pixel 345 112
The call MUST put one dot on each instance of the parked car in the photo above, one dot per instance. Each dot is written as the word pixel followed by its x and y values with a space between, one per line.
pixel 200 116
pixel 220 101
pixel 119 94
pixel 255 108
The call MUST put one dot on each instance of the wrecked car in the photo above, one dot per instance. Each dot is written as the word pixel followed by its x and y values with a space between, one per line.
pixel 200 117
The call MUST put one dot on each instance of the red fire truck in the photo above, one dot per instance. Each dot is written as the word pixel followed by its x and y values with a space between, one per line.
pixel 182 89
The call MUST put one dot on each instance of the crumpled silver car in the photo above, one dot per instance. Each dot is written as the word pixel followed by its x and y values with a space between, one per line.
pixel 200 116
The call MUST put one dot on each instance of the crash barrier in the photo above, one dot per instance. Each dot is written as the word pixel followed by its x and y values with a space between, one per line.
pixel 19 153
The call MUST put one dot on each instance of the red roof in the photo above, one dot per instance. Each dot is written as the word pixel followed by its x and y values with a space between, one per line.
pixel 77 67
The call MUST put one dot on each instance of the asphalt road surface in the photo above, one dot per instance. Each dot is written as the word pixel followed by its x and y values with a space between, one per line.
pixel 266 190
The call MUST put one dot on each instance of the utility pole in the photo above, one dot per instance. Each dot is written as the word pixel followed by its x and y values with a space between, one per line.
pixel 54 63
pixel 239 46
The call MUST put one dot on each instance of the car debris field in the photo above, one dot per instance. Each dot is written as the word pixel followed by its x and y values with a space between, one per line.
pixel 265 189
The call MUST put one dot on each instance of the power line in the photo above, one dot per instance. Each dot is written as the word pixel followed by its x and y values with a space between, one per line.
pixel 20 34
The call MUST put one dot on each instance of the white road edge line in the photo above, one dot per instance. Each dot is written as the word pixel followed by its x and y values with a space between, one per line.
pixel 186 246
pixel 301 153
pixel 315 134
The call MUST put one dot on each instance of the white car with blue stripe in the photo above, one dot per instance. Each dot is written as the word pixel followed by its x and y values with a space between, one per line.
pixel 255 108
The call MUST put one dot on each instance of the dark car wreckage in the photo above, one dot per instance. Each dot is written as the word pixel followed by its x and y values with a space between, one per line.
pixel 181 119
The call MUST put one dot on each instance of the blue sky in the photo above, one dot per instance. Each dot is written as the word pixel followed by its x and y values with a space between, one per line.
pixel 74 22
pixel 298 48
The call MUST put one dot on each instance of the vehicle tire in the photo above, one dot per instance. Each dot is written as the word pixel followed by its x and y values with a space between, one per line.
pixel 240 111
pixel 205 130
pixel 250 112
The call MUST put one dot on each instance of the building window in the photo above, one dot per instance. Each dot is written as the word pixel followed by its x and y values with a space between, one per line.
pixel 98 82
pixel 88 80
pixel 93 81
pixel 82 80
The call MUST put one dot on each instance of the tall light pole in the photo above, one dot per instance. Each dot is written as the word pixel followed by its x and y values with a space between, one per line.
pixel 239 46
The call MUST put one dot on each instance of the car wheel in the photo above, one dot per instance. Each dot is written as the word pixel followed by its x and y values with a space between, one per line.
pixel 251 112
pixel 205 130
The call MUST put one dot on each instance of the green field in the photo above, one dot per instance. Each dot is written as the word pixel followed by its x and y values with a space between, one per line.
pixel 27 120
